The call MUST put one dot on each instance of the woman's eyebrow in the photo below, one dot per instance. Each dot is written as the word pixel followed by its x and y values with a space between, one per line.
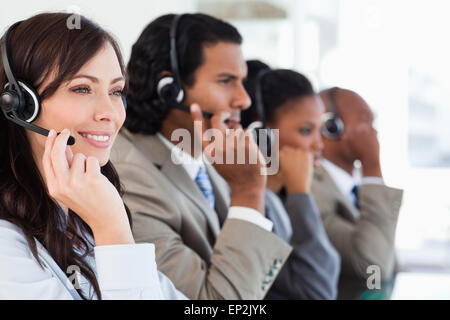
pixel 308 123
pixel 95 79
pixel 121 78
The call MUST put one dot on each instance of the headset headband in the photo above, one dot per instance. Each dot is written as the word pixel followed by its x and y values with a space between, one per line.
pixel 258 94
pixel 173 49
pixel 332 100
pixel 5 59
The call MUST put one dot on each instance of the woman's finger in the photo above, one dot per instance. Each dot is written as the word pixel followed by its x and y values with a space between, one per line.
pixel 78 167
pixel 58 157
pixel 93 166
pixel 69 156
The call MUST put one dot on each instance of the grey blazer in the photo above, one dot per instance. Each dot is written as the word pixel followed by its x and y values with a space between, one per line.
pixel 312 269
pixel 368 239
pixel 239 260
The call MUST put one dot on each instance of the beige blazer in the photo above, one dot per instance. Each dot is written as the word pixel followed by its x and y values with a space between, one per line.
pixel 362 238
pixel 238 261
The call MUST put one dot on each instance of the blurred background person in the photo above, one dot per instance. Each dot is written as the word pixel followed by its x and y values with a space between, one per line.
pixel 207 220
pixel 359 213
pixel 285 100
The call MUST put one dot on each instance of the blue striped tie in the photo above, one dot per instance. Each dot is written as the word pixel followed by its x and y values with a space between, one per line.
pixel 204 183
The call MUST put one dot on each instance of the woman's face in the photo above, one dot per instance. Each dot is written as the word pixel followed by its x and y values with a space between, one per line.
pixel 299 122
pixel 89 105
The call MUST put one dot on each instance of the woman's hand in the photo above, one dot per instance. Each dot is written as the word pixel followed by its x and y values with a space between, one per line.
pixel 78 183
pixel 296 167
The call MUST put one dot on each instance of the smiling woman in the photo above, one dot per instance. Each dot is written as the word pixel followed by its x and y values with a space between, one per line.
pixel 60 207
pixel 95 93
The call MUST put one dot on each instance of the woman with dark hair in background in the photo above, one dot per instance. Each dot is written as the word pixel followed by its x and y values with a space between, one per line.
pixel 65 232
pixel 287 102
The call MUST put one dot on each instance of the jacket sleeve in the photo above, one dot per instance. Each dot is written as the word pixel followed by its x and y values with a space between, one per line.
pixel 371 239
pixel 245 258
pixel 312 269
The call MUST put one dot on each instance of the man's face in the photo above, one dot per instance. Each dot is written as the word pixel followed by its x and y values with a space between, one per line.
pixel 218 82
pixel 353 111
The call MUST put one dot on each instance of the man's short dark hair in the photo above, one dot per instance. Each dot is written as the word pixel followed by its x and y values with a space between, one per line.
pixel 150 57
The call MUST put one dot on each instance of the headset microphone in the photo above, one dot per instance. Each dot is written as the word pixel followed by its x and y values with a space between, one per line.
pixel 12 116
pixel 19 102
pixel 263 134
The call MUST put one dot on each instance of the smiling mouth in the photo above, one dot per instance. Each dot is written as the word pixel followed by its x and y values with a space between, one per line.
pixel 100 138
pixel 97 139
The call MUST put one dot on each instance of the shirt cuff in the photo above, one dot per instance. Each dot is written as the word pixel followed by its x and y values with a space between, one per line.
pixel 372 180
pixel 128 266
pixel 250 215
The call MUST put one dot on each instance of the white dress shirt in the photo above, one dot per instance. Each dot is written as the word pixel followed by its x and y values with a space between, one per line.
pixel 122 271
pixel 345 182
pixel 192 165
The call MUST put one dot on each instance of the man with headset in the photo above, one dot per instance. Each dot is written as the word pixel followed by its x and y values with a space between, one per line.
pixel 210 249
pixel 211 245
pixel 359 213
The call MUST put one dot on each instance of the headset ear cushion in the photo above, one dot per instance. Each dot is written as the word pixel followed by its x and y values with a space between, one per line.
pixel 32 104
pixel 169 91
pixel 332 127
pixel 263 136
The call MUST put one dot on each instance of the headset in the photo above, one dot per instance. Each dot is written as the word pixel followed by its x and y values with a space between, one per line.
pixel 171 93
pixel 263 134
pixel 333 126
pixel 20 102
pixel 169 88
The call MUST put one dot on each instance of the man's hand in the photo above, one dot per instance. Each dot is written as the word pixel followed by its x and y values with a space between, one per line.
pixel 363 141
pixel 246 180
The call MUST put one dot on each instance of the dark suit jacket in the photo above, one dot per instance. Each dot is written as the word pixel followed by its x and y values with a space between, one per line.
pixel 312 269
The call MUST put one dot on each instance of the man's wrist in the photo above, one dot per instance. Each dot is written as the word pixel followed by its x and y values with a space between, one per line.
pixel 371 169
pixel 251 198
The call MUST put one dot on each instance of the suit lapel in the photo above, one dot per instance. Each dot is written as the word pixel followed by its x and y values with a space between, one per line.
pixel 160 155
pixel 345 207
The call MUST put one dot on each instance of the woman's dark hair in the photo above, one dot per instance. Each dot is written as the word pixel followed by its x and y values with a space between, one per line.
pixel 41 47
pixel 150 57
pixel 277 86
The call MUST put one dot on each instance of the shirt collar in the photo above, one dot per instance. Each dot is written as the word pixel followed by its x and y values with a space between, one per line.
pixel 190 164
pixel 342 178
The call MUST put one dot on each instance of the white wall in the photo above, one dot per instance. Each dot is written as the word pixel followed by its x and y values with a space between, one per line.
pixel 124 19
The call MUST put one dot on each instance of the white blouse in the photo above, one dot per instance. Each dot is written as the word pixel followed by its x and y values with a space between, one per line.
pixel 123 272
